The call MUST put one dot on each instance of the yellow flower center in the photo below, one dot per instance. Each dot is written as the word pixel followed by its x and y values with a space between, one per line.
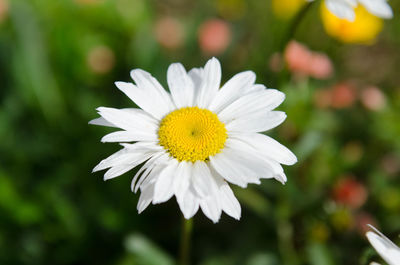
pixel 191 134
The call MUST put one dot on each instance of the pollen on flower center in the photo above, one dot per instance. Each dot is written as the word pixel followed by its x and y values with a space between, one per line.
pixel 191 134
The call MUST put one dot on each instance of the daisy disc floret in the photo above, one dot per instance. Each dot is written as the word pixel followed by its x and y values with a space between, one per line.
pixel 193 141
pixel 191 134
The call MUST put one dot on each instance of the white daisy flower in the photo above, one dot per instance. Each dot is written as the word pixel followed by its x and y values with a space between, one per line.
pixel 385 248
pixel 345 8
pixel 196 139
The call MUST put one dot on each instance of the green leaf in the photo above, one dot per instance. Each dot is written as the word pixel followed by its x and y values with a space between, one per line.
pixel 146 251
pixel 319 254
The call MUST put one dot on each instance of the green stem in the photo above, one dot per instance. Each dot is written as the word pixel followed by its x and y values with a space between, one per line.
pixel 187 226
pixel 294 25
pixel 289 35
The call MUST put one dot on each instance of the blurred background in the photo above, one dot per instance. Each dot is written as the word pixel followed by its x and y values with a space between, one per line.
pixel 58 62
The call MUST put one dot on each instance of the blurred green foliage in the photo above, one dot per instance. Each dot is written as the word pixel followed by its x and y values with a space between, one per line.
pixel 58 62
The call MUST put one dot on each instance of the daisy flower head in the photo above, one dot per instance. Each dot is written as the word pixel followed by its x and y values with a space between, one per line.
pixel 385 248
pixel 345 8
pixel 196 139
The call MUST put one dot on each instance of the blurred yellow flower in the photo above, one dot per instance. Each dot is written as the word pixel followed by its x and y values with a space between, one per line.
pixel 320 232
pixel 286 9
pixel 342 219
pixel 362 30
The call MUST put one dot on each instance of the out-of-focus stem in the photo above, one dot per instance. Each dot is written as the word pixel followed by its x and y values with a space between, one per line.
pixel 294 24
pixel 187 226
pixel 290 33
pixel 285 239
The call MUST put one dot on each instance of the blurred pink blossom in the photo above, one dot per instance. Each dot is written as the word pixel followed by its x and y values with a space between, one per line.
pixel 214 36
pixel 302 61
pixel 390 163
pixel 323 98
pixel 320 66
pixel 4 6
pixel 100 59
pixel 297 57
pixel 350 192
pixel 373 98
pixel 343 95
pixel 169 33
pixel 363 219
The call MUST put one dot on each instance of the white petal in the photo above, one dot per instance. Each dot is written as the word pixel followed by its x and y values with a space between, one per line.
pixel 129 120
pixel 142 115
pixel 230 205
pixel 150 176
pixel 202 181
pixel 379 243
pixel 197 76
pixel 180 85
pixel 101 122
pixel 128 136
pixel 148 83
pixel 341 9
pixel 211 208
pixel 259 121
pixel 143 146
pixel 265 167
pixel 386 241
pixel 259 164
pixel 146 196
pixel 256 88
pixel 210 83
pixel 138 112
pixel 188 203
pixel 266 100
pixel 118 171
pixel 163 189
pixel 352 3
pixel 232 90
pixel 182 180
pixel 386 248
pixel 268 147
pixel 392 257
pixel 109 161
pixel 157 158
pixel 151 170
pixel 379 8
pixel 146 95
pixel 123 157
pixel 279 174
pixel 238 167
